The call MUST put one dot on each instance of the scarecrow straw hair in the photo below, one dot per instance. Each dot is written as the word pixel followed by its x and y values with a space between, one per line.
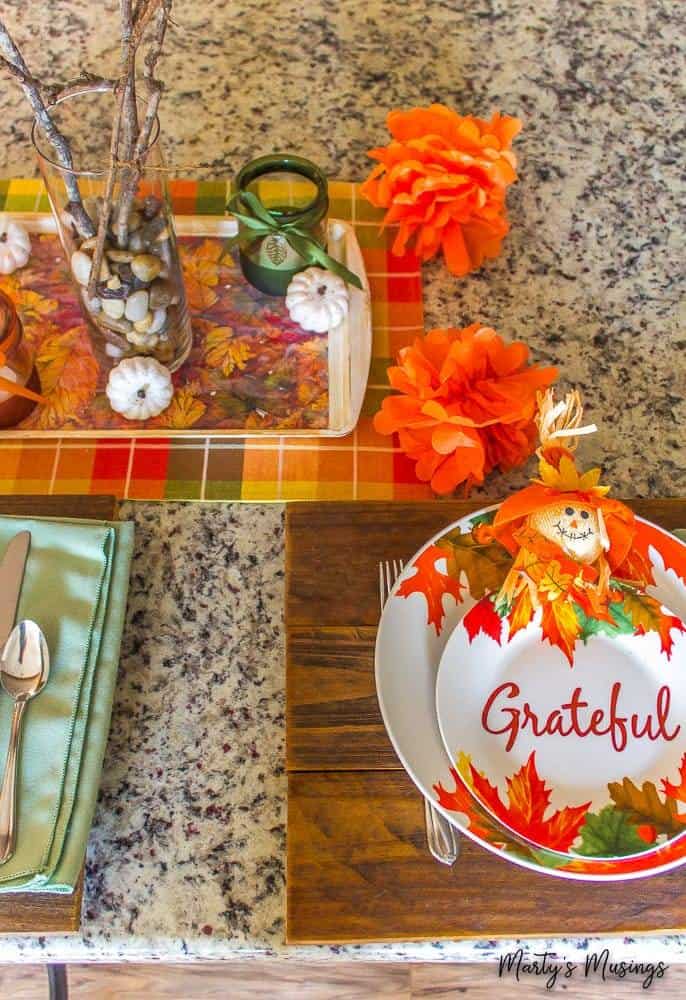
pixel 561 420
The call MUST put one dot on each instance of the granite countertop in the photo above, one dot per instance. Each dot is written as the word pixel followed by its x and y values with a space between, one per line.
pixel 186 858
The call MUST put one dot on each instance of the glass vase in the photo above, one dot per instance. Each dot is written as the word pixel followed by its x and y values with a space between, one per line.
pixel 139 305
pixel 292 189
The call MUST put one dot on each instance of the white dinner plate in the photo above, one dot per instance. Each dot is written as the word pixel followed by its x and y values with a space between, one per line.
pixel 408 653
pixel 520 719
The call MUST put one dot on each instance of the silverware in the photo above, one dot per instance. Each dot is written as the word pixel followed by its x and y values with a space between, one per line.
pixel 442 838
pixel 24 669
pixel 11 576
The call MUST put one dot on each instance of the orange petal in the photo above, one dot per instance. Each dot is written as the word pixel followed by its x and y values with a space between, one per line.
pixel 447 437
pixel 454 247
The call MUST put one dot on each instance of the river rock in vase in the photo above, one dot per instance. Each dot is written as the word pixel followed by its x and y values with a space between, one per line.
pixel 139 303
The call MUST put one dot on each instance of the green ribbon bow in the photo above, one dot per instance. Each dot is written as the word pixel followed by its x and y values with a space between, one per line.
pixel 261 222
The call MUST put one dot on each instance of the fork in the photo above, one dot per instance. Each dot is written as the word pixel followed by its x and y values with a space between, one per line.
pixel 441 837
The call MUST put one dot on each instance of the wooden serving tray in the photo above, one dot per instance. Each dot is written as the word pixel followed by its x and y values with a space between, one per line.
pixel 49 912
pixel 251 372
pixel 358 867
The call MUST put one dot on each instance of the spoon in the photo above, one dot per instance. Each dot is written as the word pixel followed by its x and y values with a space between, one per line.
pixel 24 669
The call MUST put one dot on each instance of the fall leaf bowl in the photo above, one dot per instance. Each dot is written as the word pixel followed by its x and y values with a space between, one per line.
pixel 593 786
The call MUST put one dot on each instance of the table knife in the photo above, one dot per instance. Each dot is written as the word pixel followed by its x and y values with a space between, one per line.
pixel 11 576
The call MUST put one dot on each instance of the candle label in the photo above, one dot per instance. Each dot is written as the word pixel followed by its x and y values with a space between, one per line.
pixel 276 252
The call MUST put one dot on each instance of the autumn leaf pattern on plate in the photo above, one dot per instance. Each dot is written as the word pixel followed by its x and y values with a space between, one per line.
pixel 568 612
pixel 634 821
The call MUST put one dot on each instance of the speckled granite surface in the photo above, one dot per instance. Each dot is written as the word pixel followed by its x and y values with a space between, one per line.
pixel 186 857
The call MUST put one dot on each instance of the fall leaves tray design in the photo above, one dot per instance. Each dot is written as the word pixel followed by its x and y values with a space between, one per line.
pixel 251 371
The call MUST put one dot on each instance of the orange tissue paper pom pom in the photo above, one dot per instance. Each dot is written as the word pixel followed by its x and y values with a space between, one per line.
pixel 465 405
pixel 443 181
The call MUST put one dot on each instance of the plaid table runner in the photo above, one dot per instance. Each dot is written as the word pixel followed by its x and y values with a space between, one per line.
pixel 362 466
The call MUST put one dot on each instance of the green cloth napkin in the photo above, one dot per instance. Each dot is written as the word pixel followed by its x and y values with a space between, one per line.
pixel 75 587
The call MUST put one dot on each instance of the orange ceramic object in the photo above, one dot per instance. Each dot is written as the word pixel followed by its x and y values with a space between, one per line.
pixel 19 383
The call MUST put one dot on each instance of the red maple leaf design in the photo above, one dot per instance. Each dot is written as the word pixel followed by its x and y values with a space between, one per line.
pixel 528 801
pixel 677 792
pixel 461 800
pixel 665 625
pixel 647 616
pixel 483 618
pixel 671 549
pixel 480 823
pixel 432 584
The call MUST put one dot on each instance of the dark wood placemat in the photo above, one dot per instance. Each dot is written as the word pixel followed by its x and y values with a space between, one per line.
pixel 358 868
pixel 45 912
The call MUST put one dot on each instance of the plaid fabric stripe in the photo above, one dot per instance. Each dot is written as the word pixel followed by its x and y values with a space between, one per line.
pixel 361 466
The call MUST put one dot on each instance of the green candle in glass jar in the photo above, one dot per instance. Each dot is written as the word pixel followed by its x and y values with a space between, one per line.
pixel 292 190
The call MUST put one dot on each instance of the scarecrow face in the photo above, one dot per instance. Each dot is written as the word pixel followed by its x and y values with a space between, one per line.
pixel 576 529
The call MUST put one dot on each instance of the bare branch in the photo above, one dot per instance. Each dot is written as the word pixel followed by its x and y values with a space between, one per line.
pixel 129 126
pixel 86 83
pixel 145 10
pixel 161 23
pixel 148 122
pixel 144 13
pixel 106 205
pixel 13 61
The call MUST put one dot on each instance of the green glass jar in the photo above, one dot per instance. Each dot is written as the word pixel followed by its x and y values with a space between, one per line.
pixel 292 190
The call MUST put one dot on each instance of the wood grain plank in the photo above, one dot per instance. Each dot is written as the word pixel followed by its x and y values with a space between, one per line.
pixel 246 980
pixel 41 912
pixel 333 550
pixel 334 722
pixel 339 980
pixel 96 507
pixel 34 912
pixel 358 870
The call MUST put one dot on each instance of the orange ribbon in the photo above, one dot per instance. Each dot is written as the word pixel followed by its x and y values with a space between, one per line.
pixel 15 389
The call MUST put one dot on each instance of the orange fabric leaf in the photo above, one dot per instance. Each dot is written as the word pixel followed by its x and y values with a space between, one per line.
pixel 427 580
pixel 522 612
pixel 560 626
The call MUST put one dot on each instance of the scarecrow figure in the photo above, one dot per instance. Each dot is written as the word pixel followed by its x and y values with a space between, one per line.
pixel 569 542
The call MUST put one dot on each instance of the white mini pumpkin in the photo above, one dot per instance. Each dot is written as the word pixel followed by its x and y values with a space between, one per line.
pixel 317 299
pixel 15 246
pixel 139 388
